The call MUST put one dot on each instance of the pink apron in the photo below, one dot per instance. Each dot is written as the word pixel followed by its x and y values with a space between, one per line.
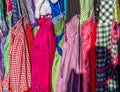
pixel 42 56
pixel 69 74
pixel 86 29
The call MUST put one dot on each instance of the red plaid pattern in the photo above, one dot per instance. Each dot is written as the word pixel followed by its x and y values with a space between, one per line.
pixel 19 76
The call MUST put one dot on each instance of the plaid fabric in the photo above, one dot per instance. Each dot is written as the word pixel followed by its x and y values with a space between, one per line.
pixel 112 86
pixel 106 11
pixel 19 77
pixel 103 45
pixel 106 50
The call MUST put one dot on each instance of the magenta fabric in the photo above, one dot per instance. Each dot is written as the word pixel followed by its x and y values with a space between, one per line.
pixel 69 74
pixel 86 30
pixel 43 55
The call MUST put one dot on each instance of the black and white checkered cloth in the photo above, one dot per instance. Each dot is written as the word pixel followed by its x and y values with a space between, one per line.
pixel 104 51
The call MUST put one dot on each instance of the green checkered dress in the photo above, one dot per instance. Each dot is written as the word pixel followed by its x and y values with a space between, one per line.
pixel 106 54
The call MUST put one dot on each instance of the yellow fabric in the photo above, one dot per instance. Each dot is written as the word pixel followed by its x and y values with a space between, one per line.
pixel 117 11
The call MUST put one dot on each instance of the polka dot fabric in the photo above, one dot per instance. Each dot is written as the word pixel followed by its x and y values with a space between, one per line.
pixel 86 7
pixel 106 11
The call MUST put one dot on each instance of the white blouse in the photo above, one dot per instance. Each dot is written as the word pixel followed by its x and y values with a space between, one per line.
pixel 42 7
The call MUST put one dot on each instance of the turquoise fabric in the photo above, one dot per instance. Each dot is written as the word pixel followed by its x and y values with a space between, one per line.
pixel 65 8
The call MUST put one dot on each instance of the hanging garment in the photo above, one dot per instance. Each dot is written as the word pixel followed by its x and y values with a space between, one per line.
pixel 0 64
pixel 58 28
pixel 43 56
pixel 3 40
pixel 118 68
pixel 57 11
pixel 3 8
pixel 86 7
pixel 15 12
pixel 9 6
pixel 69 73
pixel 19 77
pixel 31 12
pixel 42 7
pixel 93 47
pixel 73 8
pixel 6 45
pixel 106 11
pixel 117 11
pixel 106 74
pixel 6 58
pixel 58 21
pixel 86 30
pixel 107 59
pixel 93 59
pixel 24 10
pixel 30 39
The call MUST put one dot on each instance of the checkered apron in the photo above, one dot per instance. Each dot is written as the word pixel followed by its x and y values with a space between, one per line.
pixel 106 50
pixel 18 79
